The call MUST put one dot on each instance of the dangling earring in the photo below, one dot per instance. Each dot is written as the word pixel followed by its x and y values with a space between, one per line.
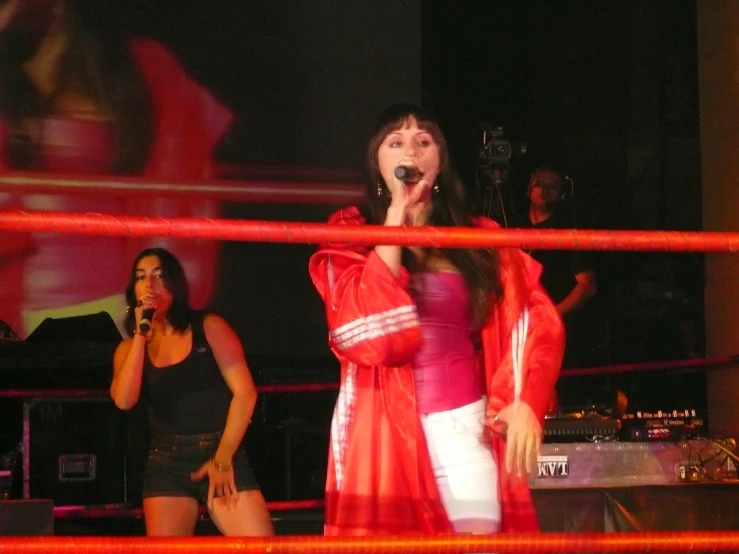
pixel 380 192
pixel 435 188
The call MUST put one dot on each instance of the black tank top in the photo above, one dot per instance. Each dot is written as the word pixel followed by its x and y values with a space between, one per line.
pixel 189 397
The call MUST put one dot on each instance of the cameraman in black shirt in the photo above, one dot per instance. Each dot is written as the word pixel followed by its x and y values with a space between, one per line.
pixel 568 275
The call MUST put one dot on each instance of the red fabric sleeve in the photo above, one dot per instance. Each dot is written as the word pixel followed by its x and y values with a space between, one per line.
pixel 542 359
pixel 546 340
pixel 188 124
pixel 188 120
pixel 543 348
pixel 372 320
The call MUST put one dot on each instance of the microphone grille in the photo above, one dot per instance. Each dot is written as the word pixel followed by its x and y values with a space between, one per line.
pixel 402 172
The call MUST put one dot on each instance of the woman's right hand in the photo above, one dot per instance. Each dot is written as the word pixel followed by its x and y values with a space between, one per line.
pixel 401 203
pixel 399 213
pixel 146 302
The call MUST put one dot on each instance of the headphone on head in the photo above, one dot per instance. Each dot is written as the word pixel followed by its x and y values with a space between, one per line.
pixel 567 184
pixel 568 189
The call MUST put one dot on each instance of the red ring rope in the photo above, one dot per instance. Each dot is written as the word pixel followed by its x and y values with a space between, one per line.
pixel 720 361
pixel 320 233
pixel 692 363
pixel 540 542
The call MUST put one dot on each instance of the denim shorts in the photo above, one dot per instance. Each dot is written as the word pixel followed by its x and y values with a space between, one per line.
pixel 173 457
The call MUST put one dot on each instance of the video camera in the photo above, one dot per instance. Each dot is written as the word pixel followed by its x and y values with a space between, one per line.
pixel 497 149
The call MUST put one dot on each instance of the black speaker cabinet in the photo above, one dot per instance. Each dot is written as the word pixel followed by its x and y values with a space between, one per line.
pixel 26 517
pixel 98 328
pixel 289 461
pixel 74 451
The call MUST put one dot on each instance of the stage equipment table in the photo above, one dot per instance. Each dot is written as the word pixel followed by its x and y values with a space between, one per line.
pixel 622 486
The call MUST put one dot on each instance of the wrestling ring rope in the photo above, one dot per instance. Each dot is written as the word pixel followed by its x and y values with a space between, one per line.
pixel 719 361
pixel 316 233
pixel 457 544
pixel 367 235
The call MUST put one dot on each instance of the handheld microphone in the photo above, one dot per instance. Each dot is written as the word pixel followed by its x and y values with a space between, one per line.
pixel 145 323
pixel 406 173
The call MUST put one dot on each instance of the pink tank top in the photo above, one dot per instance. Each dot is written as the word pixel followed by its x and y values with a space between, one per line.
pixel 445 367
pixel 72 147
pixel 76 146
pixel 63 145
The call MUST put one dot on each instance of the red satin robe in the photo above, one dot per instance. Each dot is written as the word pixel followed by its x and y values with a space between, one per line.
pixel 380 478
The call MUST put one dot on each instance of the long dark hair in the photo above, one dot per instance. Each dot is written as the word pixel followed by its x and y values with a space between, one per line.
pixel 480 268
pixel 97 63
pixel 180 314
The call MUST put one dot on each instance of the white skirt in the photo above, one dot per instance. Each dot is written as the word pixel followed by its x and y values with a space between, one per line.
pixel 465 467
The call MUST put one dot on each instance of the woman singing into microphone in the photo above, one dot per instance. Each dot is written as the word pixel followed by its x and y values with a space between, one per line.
pixel 436 345
pixel 189 369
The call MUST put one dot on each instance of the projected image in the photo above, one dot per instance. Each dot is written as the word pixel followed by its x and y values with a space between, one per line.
pixel 79 96
pixel 185 93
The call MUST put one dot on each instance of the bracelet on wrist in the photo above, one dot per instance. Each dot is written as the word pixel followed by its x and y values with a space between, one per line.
pixel 221 467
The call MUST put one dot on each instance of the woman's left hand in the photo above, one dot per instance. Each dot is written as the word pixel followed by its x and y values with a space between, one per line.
pixel 7 12
pixel 523 437
pixel 221 484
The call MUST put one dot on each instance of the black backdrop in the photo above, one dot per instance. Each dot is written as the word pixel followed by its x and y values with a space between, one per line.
pixel 609 88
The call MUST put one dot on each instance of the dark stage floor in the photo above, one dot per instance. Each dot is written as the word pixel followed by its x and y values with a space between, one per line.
pixel 304 522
